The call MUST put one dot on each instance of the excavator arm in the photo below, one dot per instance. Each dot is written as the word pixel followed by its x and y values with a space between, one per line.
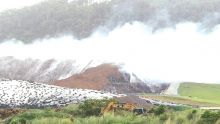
pixel 108 108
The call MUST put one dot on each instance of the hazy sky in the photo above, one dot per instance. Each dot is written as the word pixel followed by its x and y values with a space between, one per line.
pixel 9 4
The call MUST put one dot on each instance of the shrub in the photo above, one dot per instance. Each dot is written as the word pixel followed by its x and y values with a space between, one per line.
pixel 179 108
pixel 209 117
pixel 92 107
pixel 194 111
pixel 160 110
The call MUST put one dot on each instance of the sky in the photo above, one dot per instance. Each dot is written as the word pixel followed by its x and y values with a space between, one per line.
pixel 10 4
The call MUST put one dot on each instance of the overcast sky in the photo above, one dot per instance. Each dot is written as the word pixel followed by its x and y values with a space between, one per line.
pixel 10 4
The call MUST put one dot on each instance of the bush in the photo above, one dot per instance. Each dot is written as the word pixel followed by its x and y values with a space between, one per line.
pixel 160 110
pixel 179 108
pixel 209 117
pixel 92 107
pixel 194 111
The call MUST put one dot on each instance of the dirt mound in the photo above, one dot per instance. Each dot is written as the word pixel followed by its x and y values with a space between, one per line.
pixel 94 78
pixel 106 77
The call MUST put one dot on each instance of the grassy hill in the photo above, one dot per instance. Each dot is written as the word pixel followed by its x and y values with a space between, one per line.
pixel 180 100
pixel 201 92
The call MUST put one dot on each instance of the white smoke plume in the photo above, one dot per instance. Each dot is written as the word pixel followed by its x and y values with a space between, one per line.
pixel 183 53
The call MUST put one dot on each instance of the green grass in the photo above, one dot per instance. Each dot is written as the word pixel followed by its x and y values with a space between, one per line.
pixel 52 121
pixel 38 115
pixel 113 119
pixel 201 92
pixel 69 115
pixel 170 117
pixel 179 100
pixel 64 116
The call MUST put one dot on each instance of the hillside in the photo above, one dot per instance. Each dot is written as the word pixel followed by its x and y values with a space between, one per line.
pixel 108 77
pixel 95 78
pixel 200 92
pixel 74 74
pixel 37 70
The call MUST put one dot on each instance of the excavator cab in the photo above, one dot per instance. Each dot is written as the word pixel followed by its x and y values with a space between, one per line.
pixel 139 111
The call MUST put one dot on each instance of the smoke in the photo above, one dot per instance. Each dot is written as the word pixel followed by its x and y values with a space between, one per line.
pixel 183 53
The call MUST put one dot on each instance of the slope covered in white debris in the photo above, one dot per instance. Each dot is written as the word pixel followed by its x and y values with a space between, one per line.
pixel 19 93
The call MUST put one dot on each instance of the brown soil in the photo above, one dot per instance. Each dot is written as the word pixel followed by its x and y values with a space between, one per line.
pixel 93 78
pixel 105 77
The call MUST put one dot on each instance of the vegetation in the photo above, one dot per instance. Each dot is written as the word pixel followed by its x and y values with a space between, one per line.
pixel 1 121
pixel 158 110
pixel 52 121
pixel 92 107
pixel 201 92
pixel 38 114
pixel 80 18
pixel 180 100
pixel 209 117
pixel 157 115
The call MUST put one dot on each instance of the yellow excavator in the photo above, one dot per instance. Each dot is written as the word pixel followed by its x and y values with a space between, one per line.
pixel 112 106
